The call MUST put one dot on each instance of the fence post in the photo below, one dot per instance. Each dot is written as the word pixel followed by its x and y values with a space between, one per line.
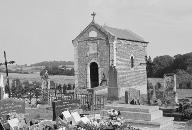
pixel 54 111
pixel 126 97
pixel 103 101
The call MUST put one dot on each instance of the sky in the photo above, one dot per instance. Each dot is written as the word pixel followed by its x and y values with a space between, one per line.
pixel 42 30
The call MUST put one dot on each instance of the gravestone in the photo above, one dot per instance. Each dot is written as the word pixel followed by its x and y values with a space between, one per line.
pixel 64 105
pixel 132 95
pixel 9 106
pixel 170 89
pixel 45 96
pixel 163 93
pixel 75 118
pixel 113 88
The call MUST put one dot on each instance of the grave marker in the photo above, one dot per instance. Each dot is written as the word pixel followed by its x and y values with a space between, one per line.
pixel 113 90
pixel 170 89
pixel 10 105
pixel 132 94
pixel 75 118
pixel 64 105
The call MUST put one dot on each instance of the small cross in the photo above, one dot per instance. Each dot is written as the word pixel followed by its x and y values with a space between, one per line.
pixel 93 15
pixel 6 63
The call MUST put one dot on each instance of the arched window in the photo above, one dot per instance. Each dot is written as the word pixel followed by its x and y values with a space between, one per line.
pixel 132 61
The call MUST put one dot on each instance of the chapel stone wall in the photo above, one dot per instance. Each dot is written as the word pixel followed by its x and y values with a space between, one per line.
pixel 131 77
pixel 85 54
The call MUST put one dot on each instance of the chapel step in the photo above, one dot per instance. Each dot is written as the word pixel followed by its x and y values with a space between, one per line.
pixel 157 124
pixel 132 108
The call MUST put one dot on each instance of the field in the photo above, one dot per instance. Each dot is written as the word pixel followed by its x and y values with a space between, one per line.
pixel 60 79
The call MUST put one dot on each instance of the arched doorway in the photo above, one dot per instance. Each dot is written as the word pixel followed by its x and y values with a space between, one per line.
pixel 94 75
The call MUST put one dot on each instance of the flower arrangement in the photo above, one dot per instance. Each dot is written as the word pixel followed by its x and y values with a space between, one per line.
pixel 113 122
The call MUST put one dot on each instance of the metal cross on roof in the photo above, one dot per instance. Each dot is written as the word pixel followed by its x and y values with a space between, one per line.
pixel 93 15
pixel 5 63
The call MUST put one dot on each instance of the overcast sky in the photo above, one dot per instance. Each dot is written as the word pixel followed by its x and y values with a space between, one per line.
pixel 40 30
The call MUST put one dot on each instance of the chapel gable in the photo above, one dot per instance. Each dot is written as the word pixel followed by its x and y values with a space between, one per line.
pixel 92 32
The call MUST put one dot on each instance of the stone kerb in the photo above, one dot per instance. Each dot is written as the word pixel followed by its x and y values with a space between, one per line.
pixel 133 108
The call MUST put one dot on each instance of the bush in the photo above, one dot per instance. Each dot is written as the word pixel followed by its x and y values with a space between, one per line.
pixel 187 113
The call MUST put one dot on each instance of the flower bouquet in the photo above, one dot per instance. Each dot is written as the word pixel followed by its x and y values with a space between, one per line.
pixel 113 122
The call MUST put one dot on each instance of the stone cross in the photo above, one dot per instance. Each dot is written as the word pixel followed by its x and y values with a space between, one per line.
pixel 93 15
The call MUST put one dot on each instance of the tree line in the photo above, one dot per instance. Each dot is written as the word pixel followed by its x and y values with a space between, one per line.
pixel 53 63
pixel 55 70
pixel 161 65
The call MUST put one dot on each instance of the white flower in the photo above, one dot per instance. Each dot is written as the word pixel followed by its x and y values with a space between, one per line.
pixel 118 118
pixel 116 112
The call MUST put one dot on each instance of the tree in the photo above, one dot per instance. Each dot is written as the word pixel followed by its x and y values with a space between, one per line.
pixel 56 70
pixel 149 67
pixel 179 62
pixel 162 65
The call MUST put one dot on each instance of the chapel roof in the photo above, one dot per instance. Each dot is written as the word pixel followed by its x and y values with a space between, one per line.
pixel 123 34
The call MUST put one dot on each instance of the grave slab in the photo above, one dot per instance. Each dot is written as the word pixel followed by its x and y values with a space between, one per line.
pixel 141 115
pixel 157 123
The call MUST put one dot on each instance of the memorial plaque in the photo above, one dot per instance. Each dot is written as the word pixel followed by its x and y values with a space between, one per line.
pixel 9 106
pixel 63 105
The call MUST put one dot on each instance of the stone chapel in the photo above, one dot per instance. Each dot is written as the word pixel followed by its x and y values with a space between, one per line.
pixel 115 56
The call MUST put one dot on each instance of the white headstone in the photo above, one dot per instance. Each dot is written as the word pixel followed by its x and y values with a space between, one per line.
pixel 13 122
pixel 5 96
pixel 76 118
pixel 85 120
pixel 97 116
pixel 67 116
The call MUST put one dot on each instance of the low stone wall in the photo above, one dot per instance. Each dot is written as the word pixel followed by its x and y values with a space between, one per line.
pixel 184 93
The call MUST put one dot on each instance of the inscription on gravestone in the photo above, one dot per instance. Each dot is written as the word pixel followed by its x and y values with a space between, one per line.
pixel 9 106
